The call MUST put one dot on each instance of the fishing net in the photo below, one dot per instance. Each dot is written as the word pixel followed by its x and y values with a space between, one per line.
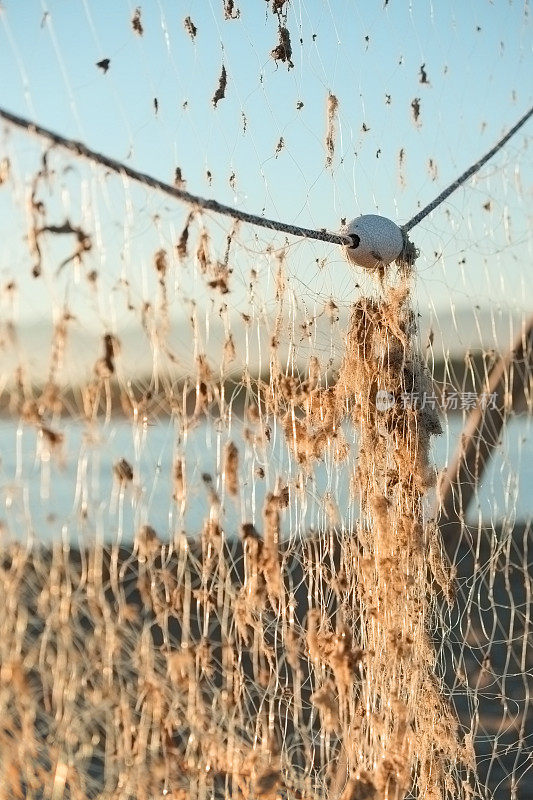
pixel 265 525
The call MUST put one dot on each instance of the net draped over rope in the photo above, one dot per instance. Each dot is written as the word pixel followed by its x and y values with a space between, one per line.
pixel 221 569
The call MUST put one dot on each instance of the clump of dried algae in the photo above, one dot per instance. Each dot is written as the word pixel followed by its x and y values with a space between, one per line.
pixel 395 728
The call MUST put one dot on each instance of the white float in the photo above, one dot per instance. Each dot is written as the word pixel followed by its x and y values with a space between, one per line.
pixel 378 241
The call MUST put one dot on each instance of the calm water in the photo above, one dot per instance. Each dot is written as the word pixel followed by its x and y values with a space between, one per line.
pixel 72 493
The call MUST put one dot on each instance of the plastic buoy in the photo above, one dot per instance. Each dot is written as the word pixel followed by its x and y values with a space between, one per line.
pixel 377 241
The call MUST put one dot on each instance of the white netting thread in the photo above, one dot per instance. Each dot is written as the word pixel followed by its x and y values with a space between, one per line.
pixel 286 622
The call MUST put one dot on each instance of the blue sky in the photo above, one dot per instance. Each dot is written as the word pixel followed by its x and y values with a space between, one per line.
pixel 477 59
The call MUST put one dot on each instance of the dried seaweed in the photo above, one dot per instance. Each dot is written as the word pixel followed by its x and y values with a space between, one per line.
pixel 220 92
pixel 230 12
pixel 5 169
pixel 415 110
pixel 179 181
pixel 83 240
pixel 104 64
pixel 136 23
pixel 190 27
pixel 331 115
pixel 123 471
pixel 231 468
pixel 181 247
pixel 283 50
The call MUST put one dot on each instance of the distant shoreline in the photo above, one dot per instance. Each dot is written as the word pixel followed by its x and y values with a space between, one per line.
pixel 143 396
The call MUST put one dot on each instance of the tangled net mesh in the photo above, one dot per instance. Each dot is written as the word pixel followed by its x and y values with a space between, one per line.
pixel 221 569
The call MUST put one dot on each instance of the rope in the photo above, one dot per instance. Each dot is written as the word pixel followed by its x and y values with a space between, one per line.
pixel 467 174
pixel 79 149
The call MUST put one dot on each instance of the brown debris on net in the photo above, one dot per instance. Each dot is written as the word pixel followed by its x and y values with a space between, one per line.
pixel 231 468
pixel 409 722
pixel 190 27
pixel 220 91
pixel 220 659
pixel 136 22
pixel 407 728
pixel 283 50
pixel 331 114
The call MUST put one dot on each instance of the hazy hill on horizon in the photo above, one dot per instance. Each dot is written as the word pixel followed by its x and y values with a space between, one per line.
pixel 446 336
